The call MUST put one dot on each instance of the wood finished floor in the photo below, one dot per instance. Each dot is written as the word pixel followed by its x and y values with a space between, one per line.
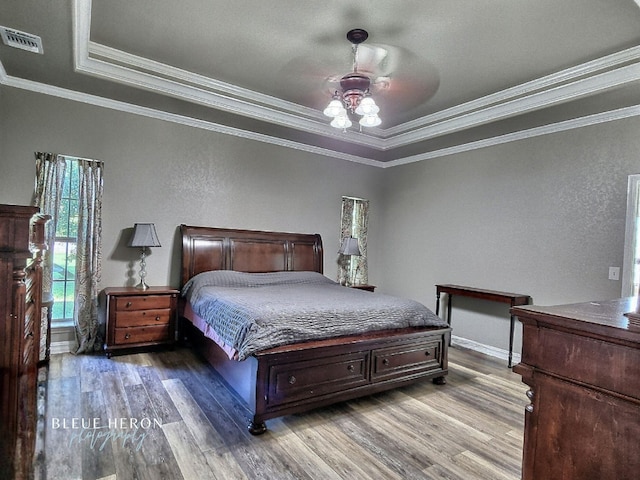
pixel 470 428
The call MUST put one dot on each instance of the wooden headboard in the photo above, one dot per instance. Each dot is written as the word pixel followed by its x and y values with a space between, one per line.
pixel 208 248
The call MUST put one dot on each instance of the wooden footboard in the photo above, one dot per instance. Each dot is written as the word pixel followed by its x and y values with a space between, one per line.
pixel 297 378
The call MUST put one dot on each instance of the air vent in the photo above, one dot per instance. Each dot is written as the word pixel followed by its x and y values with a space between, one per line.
pixel 23 40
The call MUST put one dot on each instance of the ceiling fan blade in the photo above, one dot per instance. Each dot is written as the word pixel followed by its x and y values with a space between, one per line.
pixel 400 79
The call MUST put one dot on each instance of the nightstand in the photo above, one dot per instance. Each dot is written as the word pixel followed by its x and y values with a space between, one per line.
pixel 139 318
pixel 368 288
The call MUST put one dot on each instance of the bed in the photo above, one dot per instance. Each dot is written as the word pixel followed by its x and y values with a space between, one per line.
pixel 295 377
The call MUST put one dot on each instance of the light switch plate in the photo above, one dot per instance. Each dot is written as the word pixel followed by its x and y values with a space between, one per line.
pixel 614 273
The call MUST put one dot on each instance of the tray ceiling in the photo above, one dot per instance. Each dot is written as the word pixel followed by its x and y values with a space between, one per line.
pixel 450 76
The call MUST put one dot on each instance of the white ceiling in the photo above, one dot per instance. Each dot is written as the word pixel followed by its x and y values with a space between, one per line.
pixel 452 75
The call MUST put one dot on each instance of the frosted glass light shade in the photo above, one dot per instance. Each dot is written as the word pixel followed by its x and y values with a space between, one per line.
pixel 341 121
pixel 370 120
pixel 367 107
pixel 334 108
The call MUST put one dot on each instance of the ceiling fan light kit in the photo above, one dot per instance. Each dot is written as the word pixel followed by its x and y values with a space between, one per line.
pixel 354 96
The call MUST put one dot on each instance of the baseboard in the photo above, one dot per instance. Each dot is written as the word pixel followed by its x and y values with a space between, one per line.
pixel 67 346
pixel 486 349
pixel 57 348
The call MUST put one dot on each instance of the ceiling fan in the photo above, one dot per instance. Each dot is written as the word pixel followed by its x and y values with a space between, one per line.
pixel 400 80
pixel 354 94
pixel 388 79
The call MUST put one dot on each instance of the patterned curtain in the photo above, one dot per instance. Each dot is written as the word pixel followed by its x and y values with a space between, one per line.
pixel 355 217
pixel 89 257
pixel 50 168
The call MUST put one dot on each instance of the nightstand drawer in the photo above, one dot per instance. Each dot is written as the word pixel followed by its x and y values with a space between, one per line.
pixel 142 302
pixel 150 333
pixel 143 317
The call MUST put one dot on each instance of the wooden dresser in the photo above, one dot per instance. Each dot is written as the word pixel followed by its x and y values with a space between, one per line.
pixel 21 246
pixel 582 364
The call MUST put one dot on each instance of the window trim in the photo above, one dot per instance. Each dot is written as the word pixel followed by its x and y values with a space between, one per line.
pixel 630 238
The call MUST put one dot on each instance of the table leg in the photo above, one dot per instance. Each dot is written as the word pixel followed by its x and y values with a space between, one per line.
pixel 511 329
pixel 449 313
pixel 437 302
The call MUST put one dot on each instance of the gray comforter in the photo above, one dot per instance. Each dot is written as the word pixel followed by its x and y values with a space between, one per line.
pixel 253 312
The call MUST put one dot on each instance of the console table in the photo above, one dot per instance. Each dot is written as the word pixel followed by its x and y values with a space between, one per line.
pixel 513 299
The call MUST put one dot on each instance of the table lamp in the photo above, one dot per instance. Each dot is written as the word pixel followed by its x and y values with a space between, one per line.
pixel 144 236
pixel 350 247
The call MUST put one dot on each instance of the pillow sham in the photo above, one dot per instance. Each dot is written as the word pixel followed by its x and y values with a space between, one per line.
pixel 233 279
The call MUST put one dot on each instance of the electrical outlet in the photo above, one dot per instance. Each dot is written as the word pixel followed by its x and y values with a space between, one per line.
pixel 614 273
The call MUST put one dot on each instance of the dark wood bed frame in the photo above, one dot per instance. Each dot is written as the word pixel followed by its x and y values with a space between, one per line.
pixel 296 378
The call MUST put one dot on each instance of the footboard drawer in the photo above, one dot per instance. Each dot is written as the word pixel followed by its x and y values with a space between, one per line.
pixel 412 358
pixel 302 380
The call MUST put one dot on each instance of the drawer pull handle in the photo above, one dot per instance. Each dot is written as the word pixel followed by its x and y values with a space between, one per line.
pixel 385 361
pixel 427 353
pixel 128 304
pixel 127 336
pixel 292 379
pixel 529 408
pixel 157 318
pixel 351 368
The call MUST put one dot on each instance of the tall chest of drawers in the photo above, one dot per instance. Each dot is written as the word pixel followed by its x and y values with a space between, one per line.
pixel 21 247
pixel 139 318
pixel 582 364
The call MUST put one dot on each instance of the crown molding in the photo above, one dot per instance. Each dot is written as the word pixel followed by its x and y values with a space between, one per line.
pixel 103 102
pixel 209 85
pixel 593 67
pixel 94 100
pixel 529 103
pixel 566 125
pixel 591 77
pixel 124 68
pixel 569 84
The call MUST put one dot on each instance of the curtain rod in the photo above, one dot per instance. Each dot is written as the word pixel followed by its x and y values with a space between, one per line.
pixel 71 157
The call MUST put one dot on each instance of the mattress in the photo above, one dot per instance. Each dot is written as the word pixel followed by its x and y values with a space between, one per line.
pixel 248 312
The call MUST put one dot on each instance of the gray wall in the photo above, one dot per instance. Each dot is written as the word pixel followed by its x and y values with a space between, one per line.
pixel 170 174
pixel 543 216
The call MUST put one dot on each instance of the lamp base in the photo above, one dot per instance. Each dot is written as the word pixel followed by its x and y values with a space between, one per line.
pixel 143 270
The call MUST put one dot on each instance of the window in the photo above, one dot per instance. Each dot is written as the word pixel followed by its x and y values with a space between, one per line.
pixel 69 190
pixel 65 245
pixel 631 269
pixel 354 223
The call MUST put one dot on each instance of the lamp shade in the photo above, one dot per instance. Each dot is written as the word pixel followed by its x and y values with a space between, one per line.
pixel 349 247
pixel 341 121
pixel 334 108
pixel 144 235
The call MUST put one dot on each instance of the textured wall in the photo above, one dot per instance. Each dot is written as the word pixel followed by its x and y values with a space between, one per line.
pixel 544 217
pixel 169 174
